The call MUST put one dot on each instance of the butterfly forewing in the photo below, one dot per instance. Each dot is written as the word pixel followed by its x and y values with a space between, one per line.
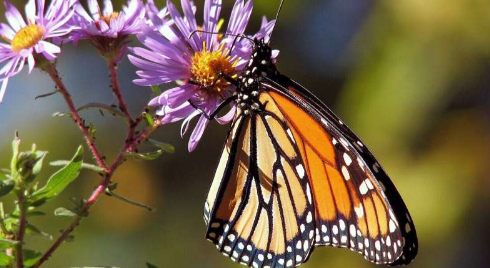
pixel 357 204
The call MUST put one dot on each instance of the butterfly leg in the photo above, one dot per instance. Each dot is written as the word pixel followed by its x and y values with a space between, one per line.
pixel 216 111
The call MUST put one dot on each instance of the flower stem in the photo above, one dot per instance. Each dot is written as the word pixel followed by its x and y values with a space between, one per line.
pixel 53 73
pixel 22 227
pixel 112 65
pixel 131 143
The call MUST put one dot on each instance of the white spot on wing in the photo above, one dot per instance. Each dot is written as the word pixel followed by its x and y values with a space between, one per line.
pixel 342 225
pixel 369 184
pixel 347 159
pixel 352 230
pixel 363 189
pixel 290 134
pixel 392 226
pixel 308 193
pixel 345 143
pixel 359 211
pixel 301 171
pixel 309 217
pixel 345 173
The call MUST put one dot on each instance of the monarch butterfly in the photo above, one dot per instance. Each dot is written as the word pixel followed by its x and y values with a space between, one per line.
pixel 293 176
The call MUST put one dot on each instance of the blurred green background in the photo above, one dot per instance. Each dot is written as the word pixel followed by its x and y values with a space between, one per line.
pixel 411 78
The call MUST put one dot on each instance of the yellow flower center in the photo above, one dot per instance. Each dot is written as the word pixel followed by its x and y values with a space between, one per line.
pixel 108 18
pixel 207 65
pixel 27 37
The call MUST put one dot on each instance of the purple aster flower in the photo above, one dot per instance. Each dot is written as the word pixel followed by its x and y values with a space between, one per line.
pixel 108 30
pixel 28 39
pixel 193 57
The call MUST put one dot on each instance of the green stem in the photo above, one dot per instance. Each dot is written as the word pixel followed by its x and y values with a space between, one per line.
pixel 22 226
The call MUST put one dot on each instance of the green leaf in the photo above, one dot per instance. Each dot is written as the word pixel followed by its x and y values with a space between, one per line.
pixel 148 119
pixel 31 257
pixel 33 213
pixel 149 265
pixel 46 95
pixel 145 156
pixel 60 114
pixel 124 199
pixel 3 176
pixel 33 230
pixel 97 105
pixel 30 163
pixel 7 243
pixel 70 238
pixel 5 260
pixel 95 168
pixel 58 181
pixel 6 187
pixel 15 153
pixel 156 90
pixel 64 212
pixel 167 147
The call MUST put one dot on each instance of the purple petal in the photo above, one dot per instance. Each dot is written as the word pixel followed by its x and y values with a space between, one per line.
pixel 197 133
pixel 228 117
pixel 191 20
pixel 6 31
pixel 212 8
pixel 3 89
pixel 158 101
pixel 108 9
pixel 185 124
pixel 31 62
pixel 14 17
pixel 31 10
pixel 182 25
pixel 239 17
pixel 93 7
pixel 177 96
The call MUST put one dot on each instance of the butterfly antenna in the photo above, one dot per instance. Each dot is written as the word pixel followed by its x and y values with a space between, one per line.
pixel 234 35
pixel 275 20
pixel 229 34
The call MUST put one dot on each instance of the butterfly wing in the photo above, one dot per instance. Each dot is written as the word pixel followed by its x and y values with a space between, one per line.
pixel 259 209
pixel 356 204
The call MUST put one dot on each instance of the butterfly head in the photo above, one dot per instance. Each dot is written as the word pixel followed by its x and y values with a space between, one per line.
pixel 260 67
pixel 261 61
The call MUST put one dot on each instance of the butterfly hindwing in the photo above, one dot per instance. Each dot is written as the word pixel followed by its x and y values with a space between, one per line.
pixel 257 211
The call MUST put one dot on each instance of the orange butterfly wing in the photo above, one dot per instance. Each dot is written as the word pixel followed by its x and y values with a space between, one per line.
pixel 296 157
